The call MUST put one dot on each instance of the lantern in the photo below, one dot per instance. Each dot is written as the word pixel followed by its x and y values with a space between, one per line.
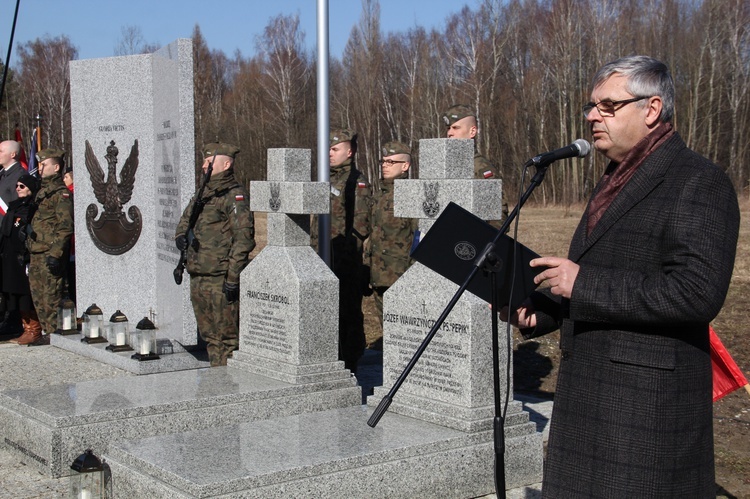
pixel 66 317
pixel 118 334
pixel 92 324
pixel 144 341
pixel 90 478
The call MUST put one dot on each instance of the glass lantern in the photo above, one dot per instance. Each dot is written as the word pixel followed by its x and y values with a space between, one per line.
pixel 118 334
pixel 89 479
pixel 66 317
pixel 144 341
pixel 92 322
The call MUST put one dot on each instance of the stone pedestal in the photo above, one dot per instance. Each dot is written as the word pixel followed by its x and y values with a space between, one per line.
pixel 133 161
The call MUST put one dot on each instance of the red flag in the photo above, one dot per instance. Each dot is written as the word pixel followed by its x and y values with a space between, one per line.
pixel 22 155
pixel 727 375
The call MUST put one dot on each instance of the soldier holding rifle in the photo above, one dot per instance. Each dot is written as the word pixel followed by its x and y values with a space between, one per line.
pixel 215 235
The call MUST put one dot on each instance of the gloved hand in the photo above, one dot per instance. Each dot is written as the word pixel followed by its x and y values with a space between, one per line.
pixel 181 242
pixel 231 291
pixel 54 266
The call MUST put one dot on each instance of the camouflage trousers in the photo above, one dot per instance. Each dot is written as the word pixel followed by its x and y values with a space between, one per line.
pixel 351 320
pixel 218 320
pixel 46 291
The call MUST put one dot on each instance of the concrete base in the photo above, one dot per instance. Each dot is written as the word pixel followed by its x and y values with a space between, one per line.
pixel 173 356
pixel 49 427
pixel 329 454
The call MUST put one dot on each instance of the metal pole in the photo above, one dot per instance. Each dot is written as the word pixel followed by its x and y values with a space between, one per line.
pixel 10 47
pixel 324 219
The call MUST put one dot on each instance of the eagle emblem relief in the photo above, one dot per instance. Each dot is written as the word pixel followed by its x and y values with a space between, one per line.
pixel 275 200
pixel 430 205
pixel 113 232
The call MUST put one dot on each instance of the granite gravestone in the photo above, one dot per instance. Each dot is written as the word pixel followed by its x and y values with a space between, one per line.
pixel 452 384
pixel 133 159
pixel 289 303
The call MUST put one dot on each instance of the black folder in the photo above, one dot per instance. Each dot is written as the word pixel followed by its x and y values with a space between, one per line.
pixel 454 241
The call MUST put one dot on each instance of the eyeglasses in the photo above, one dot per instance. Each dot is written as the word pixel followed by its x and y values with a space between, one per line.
pixel 607 108
pixel 20 186
pixel 390 162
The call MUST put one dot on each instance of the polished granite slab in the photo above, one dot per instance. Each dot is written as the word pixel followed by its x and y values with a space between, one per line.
pixel 172 356
pixel 50 426
pixel 332 453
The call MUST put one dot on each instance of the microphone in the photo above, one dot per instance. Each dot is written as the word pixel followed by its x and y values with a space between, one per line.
pixel 578 149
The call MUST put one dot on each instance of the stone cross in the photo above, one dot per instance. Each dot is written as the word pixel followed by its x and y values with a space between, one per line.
pixel 289 302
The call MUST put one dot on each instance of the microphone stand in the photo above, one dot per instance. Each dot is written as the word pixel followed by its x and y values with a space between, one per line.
pixel 486 261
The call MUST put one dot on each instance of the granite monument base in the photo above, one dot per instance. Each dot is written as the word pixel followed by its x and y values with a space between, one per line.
pixel 328 454
pixel 172 355
pixel 49 427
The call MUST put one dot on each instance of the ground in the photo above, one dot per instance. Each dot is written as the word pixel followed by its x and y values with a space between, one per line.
pixel 547 231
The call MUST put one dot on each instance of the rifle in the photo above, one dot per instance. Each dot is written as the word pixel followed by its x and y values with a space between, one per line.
pixel 194 214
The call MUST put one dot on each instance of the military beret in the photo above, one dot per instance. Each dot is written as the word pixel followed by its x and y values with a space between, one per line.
pixel 456 113
pixel 50 153
pixel 342 135
pixel 391 148
pixel 220 149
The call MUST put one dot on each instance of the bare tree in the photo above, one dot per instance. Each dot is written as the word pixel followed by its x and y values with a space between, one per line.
pixel 45 81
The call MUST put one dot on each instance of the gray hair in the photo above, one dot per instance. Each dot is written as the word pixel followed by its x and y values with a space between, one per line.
pixel 646 77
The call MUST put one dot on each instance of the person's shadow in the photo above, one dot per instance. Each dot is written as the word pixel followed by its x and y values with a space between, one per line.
pixel 530 368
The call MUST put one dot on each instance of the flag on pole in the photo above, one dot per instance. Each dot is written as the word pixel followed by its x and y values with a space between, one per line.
pixel 22 155
pixel 33 166
pixel 727 375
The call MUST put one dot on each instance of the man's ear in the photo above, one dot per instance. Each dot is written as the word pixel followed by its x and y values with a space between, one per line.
pixel 654 110
pixel 473 131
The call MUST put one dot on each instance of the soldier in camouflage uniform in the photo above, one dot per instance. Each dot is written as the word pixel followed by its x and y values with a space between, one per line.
pixel 462 124
pixel 391 238
pixel 350 226
pixel 218 248
pixel 48 239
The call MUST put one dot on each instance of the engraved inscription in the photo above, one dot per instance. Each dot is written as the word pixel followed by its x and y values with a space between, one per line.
pixel 269 328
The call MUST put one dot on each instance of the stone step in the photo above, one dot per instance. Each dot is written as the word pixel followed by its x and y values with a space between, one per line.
pixel 331 453
pixel 49 426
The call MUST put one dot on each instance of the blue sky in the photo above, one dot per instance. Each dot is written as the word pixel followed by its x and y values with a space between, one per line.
pixel 94 26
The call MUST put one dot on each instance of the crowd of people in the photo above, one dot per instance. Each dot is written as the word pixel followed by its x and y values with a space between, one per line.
pixel 36 230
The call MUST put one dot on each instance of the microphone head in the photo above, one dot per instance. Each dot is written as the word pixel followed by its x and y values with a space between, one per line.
pixel 583 146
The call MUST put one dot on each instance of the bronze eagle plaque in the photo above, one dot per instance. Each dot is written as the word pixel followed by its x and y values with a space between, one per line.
pixel 113 233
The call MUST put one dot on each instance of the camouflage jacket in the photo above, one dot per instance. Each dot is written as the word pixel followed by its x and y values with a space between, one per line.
pixel 483 168
pixel 349 244
pixel 225 229
pixel 52 222
pixel 391 238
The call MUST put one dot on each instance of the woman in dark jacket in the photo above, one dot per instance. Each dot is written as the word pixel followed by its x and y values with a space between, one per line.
pixel 15 258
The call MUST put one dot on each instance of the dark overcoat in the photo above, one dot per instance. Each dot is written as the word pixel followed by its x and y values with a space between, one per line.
pixel 632 414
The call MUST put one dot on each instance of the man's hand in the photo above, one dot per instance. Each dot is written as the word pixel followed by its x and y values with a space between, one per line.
pixel 523 318
pixel 231 291
pixel 560 275
pixel 54 266
pixel 181 242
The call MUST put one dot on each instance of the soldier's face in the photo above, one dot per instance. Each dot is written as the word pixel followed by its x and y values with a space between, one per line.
pixel 48 167
pixel 394 165
pixel 339 153
pixel 221 164
pixel 465 128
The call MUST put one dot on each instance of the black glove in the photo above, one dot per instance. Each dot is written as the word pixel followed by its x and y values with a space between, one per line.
pixel 231 291
pixel 54 266
pixel 181 242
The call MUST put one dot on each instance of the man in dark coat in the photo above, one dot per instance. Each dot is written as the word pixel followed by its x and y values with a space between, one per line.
pixel 648 268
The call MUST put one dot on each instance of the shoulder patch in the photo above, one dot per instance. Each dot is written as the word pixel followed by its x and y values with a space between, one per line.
pixel 66 194
pixel 488 174
pixel 361 185
pixel 239 197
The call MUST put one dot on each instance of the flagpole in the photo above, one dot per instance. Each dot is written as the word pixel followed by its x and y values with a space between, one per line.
pixel 10 48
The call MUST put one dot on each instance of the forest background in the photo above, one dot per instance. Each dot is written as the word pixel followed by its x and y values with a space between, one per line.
pixel 524 65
